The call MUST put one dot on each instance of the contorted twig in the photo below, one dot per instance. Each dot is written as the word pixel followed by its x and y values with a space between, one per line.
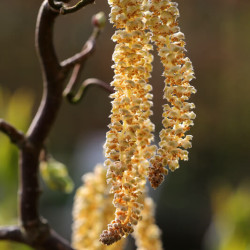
pixel 34 230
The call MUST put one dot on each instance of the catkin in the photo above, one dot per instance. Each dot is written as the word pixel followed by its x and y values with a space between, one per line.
pixel 178 72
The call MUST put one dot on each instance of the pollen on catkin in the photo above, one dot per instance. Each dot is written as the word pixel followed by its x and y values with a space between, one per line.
pixel 127 146
pixel 147 233
pixel 130 156
pixel 178 72
pixel 92 211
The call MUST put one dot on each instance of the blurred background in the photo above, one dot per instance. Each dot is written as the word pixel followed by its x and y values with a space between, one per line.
pixel 203 205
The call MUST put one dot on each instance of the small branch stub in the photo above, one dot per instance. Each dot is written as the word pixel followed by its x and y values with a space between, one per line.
pixel 99 20
pixel 15 136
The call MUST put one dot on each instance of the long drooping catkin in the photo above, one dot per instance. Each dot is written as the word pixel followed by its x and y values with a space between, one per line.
pixel 127 147
pixel 92 211
pixel 178 72
pixel 130 156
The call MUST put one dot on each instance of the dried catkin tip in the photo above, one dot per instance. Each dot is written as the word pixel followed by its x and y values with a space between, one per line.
pixel 156 173
pixel 178 72
pixel 92 211
pixel 147 234
pixel 127 146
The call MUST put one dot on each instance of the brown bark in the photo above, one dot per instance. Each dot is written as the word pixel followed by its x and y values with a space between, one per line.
pixel 34 230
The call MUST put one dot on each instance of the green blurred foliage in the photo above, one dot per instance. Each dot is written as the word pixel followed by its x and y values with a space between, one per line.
pixel 16 109
pixel 232 217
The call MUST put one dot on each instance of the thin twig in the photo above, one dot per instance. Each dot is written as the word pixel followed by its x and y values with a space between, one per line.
pixel 15 136
pixel 55 6
pixel 82 3
pixel 59 7
pixel 78 60
pixel 87 49
pixel 76 98
pixel 11 233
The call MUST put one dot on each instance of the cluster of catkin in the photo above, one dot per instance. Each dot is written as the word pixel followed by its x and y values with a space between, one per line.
pixel 178 72
pixel 147 233
pixel 131 157
pixel 93 209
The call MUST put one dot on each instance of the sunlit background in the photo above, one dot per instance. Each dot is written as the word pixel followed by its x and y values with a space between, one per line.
pixel 203 205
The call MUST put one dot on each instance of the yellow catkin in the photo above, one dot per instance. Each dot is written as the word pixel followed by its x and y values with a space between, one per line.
pixel 178 72
pixel 92 211
pixel 147 233
pixel 127 146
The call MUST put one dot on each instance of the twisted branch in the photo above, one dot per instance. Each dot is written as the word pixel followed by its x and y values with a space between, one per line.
pixel 63 9
pixel 34 230
pixel 55 6
pixel 75 98
pixel 87 50
pixel 67 10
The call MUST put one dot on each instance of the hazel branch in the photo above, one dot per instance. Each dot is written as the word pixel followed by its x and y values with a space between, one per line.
pixel 42 123
pixel 84 54
pixel 76 98
pixel 11 233
pixel 34 230
pixel 60 7
pixel 87 50
pixel 15 136
pixel 78 60
pixel 82 3
pixel 98 21
pixel 55 6
pixel 55 241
